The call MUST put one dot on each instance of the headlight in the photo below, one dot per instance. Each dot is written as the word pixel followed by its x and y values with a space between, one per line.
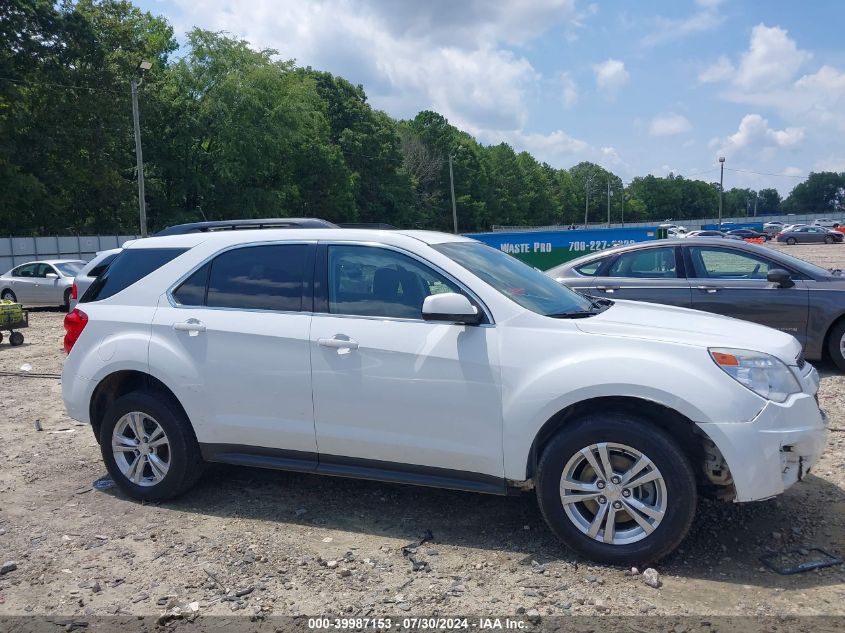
pixel 764 374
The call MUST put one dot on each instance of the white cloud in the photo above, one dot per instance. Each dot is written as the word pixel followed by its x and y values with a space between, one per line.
pixel 569 90
pixel 406 54
pixel 722 70
pixel 557 148
pixel 771 59
pixel 669 125
pixel 611 76
pixel 765 77
pixel 754 136
pixel 666 29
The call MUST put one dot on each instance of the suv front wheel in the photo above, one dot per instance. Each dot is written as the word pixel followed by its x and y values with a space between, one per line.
pixel 616 489
pixel 149 447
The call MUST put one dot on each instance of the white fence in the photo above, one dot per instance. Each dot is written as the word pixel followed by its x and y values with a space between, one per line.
pixel 692 225
pixel 19 250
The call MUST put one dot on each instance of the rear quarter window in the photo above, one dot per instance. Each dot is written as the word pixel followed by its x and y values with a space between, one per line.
pixel 128 267
pixel 100 268
pixel 590 269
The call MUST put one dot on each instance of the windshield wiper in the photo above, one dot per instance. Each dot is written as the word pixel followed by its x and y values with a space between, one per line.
pixel 575 314
pixel 599 305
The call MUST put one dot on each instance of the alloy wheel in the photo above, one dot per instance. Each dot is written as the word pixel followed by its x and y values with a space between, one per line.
pixel 141 449
pixel 613 493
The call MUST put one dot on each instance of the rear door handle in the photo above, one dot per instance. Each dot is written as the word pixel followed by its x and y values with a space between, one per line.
pixel 608 289
pixel 338 343
pixel 192 327
pixel 710 289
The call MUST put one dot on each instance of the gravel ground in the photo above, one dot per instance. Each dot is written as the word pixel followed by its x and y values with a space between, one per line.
pixel 265 542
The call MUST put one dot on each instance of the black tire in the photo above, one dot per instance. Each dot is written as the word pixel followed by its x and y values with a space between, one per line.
pixel 828 239
pixel 1 337
pixel 186 464
pixel 15 339
pixel 66 300
pixel 8 295
pixel 649 440
pixel 791 241
pixel 833 344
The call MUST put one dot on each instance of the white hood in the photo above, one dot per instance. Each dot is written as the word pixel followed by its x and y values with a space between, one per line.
pixel 636 319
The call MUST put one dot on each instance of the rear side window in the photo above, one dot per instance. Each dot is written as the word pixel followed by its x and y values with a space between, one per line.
pixel 252 278
pixel 129 266
pixel 101 267
pixel 653 263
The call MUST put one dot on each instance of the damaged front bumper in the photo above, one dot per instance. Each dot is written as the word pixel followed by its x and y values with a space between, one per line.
pixel 769 454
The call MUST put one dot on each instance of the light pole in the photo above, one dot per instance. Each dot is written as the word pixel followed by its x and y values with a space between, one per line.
pixel 139 72
pixel 622 184
pixel 587 182
pixel 609 194
pixel 452 188
pixel 721 188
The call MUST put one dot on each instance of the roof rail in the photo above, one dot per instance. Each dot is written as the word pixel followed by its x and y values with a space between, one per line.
pixel 367 225
pixel 247 224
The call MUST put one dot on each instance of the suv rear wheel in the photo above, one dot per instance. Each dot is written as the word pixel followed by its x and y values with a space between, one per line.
pixel 616 489
pixel 148 446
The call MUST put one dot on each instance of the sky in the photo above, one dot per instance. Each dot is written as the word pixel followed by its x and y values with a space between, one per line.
pixel 638 86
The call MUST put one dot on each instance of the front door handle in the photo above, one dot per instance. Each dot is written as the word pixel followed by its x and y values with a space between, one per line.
pixel 338 343
pixel 607 289
pixel 710 289
pixel 191 326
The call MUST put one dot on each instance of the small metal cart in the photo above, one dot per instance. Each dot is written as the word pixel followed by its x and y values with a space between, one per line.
pixel 15 337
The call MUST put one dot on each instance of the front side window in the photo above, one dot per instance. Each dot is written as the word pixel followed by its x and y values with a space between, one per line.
pixel 652 263
pixel 378 282
pixel 267 277
pixel 722 263
pixel 518 281
pixel 42 270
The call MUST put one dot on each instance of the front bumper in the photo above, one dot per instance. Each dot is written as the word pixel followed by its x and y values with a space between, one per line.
pixel 775 450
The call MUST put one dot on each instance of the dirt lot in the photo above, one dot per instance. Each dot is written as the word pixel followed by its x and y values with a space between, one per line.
pixel 283 543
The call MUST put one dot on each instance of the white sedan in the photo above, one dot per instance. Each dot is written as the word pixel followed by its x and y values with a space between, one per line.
pixel 41 283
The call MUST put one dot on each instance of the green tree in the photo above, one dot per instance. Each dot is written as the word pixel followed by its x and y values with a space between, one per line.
pixel 822 192
pixel 239 135
pixel 768 202
pixel 66 120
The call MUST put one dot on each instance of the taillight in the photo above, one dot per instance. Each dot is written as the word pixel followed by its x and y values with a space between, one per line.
pixel 75 322
pixel 73 291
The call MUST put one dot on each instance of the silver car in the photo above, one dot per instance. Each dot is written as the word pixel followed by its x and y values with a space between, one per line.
pixel 41 283
pixel 89 272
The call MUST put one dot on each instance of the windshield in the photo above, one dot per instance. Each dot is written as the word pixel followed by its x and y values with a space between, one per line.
pixel 69 269
pixel 803 265
pixel 519 282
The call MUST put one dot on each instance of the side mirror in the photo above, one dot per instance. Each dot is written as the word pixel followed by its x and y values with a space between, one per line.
pixel 450 307
pixel 51 276
pixel 780 277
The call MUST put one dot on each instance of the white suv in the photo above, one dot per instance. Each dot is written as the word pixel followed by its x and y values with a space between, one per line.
pixel 432 359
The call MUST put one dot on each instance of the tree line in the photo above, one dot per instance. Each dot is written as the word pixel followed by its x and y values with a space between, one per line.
pixel 232 132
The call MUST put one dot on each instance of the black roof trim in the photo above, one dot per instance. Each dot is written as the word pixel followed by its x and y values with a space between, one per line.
pixel 367 225
pixel 247 224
